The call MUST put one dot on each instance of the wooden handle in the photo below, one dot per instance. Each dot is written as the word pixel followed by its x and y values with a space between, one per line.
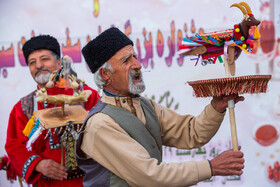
pixel 231 113
pixel 233 129
pixel 62 154
pixel 20 181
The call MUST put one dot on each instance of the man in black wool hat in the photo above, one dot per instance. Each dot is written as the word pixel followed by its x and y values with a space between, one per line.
pixel 42 55
pixel 124 133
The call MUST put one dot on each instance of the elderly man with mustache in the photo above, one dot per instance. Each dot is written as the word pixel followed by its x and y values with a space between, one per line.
pixel 42 55
pixel 122 141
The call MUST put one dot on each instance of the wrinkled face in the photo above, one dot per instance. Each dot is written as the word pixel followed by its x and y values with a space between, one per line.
pixel 41 64
pixel 126 80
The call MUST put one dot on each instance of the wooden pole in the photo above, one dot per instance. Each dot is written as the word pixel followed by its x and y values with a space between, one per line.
pixel 62 154
pixel 233 125
pixel 20 181
pixel 231 106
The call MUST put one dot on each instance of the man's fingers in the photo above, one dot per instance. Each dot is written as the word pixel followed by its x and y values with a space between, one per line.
pixel 59 166
pixel 241 98
pixel 236 172
pixel 233 96
pixel 230 97
pixel 228 163
pixel 55 170
pixel 59 171
pixel 61 174
pixel 57 174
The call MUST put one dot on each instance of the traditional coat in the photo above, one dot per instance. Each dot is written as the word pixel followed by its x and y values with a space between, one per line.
pixel 112 147
pixel 25 161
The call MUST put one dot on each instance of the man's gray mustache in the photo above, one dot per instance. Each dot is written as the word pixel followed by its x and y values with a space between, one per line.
pixel 42 69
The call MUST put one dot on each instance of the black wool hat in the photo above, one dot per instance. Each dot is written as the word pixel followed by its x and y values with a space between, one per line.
pixel 40 42
pixel 103 47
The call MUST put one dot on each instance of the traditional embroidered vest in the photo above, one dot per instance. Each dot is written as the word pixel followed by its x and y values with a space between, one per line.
pixel 148 136
pixel 27 104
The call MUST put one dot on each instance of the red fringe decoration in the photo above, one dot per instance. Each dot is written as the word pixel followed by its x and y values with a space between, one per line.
pixel 39 145
pixel 231 85
pixel 4 162
pixel 11 172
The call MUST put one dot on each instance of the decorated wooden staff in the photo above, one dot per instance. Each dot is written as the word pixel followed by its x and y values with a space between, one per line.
pixel 67 127
pixel 231 42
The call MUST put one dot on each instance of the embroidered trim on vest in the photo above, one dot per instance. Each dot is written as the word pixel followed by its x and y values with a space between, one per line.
pixel 132 108
pixel 27 164
pixel 53 145
pixel 27 103
pixel 118 102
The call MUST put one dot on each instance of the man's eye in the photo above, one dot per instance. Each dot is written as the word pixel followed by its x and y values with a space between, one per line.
pixel 31 62
pixel 45 59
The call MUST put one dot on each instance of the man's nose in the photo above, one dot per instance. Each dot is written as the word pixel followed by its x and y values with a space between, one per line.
pixel 39 64
pixel 136 64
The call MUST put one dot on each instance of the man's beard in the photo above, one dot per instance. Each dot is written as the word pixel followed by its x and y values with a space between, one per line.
pixel 42 78
pixel 136 88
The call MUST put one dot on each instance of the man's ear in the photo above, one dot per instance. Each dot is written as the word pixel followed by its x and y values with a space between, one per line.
pixel 105 75
pixel 59 63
